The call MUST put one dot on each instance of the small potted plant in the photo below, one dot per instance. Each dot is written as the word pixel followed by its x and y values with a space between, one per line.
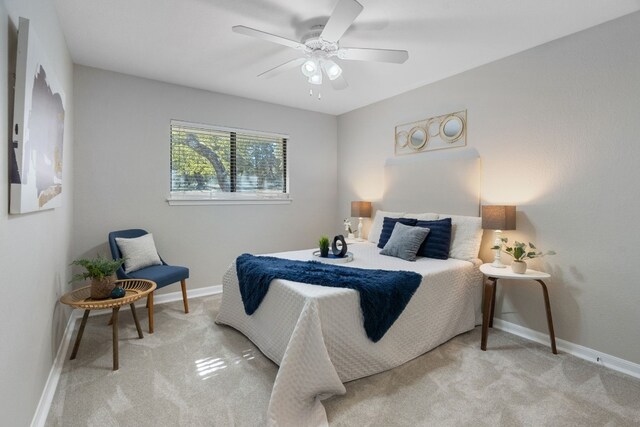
pixel 323 243
pixel 101 271
pixel 520 253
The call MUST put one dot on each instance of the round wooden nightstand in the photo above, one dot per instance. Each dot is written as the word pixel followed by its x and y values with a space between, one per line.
pixel 493 274
pixel 81 298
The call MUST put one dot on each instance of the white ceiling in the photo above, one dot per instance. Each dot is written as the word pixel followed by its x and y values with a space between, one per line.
pixel 190 42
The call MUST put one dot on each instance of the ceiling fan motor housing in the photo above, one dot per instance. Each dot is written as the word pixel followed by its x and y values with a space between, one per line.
pixel 316 45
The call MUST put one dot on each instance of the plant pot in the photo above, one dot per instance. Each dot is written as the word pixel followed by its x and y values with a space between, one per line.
pixel 324 252
pixel 519 267
pixel 101 288
pixel 351 236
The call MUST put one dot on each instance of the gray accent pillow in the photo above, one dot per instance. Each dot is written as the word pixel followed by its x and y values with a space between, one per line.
pixel 138 252
pixel 405 241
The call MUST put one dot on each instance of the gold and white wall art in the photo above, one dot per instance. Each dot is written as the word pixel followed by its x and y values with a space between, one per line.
pixel 35 155
pixel 435 133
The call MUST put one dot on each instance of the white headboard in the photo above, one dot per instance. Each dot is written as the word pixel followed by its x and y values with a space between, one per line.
pixel 447 181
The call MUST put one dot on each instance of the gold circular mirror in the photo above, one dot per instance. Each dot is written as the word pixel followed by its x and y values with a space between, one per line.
pixel 434 128
pixel 451 128
pixel 417 137
pixel 402 139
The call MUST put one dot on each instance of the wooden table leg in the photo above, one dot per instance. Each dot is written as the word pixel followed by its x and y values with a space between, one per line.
pixel 85 316
pixel 547 306
pixel 489 286
pixel 493 301
pixel 115 338
pixel 135 319
pixel 150 305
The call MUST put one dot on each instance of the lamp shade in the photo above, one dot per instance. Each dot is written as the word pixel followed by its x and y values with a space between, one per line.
pixel 499 217
pixel 361 209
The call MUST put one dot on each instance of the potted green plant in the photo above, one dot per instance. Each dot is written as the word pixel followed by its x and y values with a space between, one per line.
pixel 323 243
pixel 101 271
pixel 520 253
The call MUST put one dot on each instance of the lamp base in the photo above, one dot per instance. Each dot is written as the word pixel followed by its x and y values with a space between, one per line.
pixel 498 264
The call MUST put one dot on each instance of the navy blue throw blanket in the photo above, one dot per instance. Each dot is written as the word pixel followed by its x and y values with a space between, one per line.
pixel 383 294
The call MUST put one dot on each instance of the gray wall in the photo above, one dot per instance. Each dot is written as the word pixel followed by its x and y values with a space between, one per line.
pixel 557 129
pixel 122 174
pixel 34 248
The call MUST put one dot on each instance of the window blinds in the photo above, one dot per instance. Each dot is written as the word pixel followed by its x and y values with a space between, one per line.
pixel 220 160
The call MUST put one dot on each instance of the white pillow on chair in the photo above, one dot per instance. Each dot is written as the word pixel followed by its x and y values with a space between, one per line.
pixel 139 252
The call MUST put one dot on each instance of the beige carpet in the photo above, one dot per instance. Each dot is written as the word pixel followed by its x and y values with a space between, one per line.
pixel 192 372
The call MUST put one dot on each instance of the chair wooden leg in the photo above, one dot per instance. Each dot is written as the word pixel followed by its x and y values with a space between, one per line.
pixel 183 284
pixel 150 305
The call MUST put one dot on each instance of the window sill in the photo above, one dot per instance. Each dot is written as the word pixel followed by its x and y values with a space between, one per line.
pixel 229 201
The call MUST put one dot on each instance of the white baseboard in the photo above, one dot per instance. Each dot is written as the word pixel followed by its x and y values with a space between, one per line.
pixel 586 353
pixel 42 410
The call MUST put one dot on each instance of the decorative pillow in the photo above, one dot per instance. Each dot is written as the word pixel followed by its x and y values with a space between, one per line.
pixel 376 225
pixel 387 228
pixel 422 216
pixel 438 242
pixel 138 252
pixel 405 241
pixel 466 236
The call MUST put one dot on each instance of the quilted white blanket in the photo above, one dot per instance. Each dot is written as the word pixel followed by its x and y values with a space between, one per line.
pixel 317 337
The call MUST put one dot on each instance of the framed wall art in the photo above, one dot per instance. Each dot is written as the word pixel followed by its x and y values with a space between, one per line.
pixel 435 133
pixel 35 155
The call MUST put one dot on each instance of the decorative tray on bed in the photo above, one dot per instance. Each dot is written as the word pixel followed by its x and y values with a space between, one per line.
pixel 332 259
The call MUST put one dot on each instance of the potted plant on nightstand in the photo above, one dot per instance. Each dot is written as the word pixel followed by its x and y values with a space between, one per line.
pixel 323 243
pixel 101 271
pixel 520 253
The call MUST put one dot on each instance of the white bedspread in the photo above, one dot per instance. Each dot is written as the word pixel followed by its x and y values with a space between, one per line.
pixel 316 333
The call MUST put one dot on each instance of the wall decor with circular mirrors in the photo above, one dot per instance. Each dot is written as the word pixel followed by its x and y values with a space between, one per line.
pixel 435 133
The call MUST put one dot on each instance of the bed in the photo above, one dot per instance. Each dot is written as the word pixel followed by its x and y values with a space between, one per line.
pixel 316 334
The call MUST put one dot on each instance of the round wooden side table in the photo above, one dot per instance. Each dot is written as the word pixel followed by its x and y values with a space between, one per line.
pixel 135 289
pixel 493 274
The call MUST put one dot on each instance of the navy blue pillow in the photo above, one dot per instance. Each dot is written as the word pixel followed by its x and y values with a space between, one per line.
pixel 387 228
pixel 438 241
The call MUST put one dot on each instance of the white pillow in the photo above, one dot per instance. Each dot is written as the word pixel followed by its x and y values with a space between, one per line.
pixel 139 252
pixel 422 216
pixel 376 226
pixel 466 236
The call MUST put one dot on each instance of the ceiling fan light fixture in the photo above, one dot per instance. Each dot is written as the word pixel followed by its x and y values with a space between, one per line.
pixel 332 69
pixel 316 79
pixel 309 68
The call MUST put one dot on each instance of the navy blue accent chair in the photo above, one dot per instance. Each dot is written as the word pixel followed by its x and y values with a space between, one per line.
pixel 163 275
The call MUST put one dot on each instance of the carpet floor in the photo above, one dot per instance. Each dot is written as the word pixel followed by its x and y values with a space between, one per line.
pixel 192 372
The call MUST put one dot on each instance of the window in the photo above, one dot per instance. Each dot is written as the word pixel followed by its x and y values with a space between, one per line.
pixel 210 163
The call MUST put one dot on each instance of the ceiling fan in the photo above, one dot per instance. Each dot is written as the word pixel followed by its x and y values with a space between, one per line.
pixel 322 43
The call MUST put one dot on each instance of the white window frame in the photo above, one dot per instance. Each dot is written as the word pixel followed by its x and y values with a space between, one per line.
pixel 190 198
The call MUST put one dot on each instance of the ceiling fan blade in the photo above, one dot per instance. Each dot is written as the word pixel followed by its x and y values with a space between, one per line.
pixel 241 29
pixel 282 68
pixel 339 83
pixel 378 55
pixel 345 12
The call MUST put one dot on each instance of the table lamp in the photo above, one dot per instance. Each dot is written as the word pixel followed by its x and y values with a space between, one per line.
pixel 360 210
pixel 498 218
